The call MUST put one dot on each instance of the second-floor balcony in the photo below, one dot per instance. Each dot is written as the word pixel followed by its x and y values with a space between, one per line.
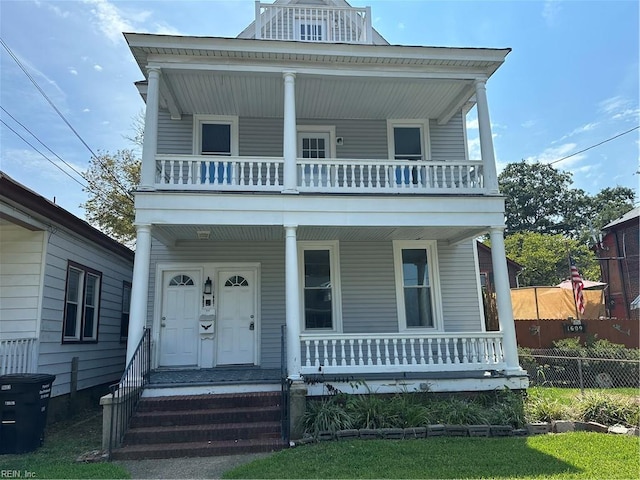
pixel 331 175
pixel 313 23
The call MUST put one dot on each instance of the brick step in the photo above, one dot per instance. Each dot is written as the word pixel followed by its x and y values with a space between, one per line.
pixel 205 417
pixel 197 449
pixel 191 433
pixel 205 402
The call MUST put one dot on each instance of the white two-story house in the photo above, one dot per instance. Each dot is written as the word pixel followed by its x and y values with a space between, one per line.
pixel 309 174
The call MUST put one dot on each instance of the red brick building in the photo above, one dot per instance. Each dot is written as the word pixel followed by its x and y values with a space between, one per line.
pixel 619 264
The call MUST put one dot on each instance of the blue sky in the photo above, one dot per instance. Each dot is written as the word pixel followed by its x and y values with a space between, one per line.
pixel 570 82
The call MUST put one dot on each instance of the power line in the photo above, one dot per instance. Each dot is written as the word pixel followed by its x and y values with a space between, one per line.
pixel 42 92
pixel 596 145
pixel 44 145
pixel 47 158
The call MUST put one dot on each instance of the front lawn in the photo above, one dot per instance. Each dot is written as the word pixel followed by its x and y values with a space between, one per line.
pixel 63 443
pixel 560 456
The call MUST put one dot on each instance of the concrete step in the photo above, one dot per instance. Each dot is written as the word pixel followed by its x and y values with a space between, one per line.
pixel 197 449
pixel 205 402
pixel 192 433
pixel 170 418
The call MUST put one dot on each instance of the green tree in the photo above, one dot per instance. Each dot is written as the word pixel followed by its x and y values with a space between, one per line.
pixel 539 198
pixel 111 178
pixel 608 205
pixel 545 258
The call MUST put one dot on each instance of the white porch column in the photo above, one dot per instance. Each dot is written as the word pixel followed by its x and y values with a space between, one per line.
pixel 486 138
pixel 503 298
pixel 292 303
pixel 150 141
pixel 290 140
pixel 139 288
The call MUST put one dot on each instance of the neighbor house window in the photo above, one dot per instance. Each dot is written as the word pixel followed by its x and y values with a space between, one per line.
pixel 320 286
pixel 416 285
pixel 82 304
pixel 126 305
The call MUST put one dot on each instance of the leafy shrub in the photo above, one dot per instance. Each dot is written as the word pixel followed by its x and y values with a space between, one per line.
pixel 608 409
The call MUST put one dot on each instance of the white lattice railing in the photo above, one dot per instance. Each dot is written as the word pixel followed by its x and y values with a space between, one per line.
pixel 18 356
pixel 208 172
pixel 313 23
pixel 380 353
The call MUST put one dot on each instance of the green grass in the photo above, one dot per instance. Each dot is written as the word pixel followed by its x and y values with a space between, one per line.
pixel 570 455
pixel 566 396
pixel 64 442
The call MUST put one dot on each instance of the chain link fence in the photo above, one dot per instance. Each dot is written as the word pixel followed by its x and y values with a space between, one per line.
pixel 582 368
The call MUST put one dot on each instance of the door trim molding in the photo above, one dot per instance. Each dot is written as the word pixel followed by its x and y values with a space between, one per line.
pixel 324 129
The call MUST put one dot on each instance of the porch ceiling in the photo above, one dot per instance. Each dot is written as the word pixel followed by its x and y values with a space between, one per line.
pixel 182 234
pixel 261 95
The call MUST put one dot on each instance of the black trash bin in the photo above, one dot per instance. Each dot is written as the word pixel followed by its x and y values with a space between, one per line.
pixel 23 411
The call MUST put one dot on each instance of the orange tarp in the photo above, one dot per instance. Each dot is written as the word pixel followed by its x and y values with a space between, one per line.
pixel 533 303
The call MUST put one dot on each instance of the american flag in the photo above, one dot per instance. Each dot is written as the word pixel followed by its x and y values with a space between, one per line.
pixel 578 286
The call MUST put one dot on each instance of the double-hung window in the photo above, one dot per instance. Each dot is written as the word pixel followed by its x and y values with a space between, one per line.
pixel 320 286
pixel 216 135
pixel 408 140
pixel 417 286
pixel 82 304
pixel 126 305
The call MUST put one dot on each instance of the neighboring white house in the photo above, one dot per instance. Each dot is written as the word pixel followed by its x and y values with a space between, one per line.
pixel 309 174
pixel 64 294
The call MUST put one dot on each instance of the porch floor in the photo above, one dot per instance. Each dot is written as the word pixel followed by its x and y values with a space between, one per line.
pixel 214 376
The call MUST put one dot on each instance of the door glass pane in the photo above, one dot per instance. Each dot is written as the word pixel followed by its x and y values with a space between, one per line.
pixel 407 143
pixel 314 147
pixel 216 139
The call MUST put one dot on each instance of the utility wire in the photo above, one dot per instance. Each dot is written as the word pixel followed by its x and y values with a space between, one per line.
pixel 596 145
pixel 80 174
pixel 47 158
pixel 42 92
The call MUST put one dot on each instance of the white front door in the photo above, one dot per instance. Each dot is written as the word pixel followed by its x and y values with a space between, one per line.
pixel 179 320
pixel 237 317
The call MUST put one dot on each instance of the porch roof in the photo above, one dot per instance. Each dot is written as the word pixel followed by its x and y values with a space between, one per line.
pixel 244 77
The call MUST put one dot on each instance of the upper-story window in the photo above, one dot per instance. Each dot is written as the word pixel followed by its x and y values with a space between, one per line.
pixel 215 135
pixel 312 30
pixel 408 139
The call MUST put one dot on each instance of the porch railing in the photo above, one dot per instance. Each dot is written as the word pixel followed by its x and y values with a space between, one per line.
pixel 18 356
pixel 127 392
pixel 381 353
pixel 254 174
pixel 313 23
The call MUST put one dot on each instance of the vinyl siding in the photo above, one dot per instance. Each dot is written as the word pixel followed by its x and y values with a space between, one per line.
pixel 367 285
pixel 100 362
pixel 175 136
pixel 21 252
pixel 447 141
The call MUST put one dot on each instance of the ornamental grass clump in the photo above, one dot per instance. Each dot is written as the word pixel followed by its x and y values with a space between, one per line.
pixel 539 408
pixel 608 409
pixel 326 415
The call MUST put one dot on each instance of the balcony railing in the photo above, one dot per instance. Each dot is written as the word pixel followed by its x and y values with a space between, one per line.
pixel 313 23
pixel 382 353
pixel 18 356
pixel 254 174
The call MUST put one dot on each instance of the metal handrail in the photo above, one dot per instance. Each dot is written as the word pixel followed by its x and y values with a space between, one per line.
pixel 129 390
pixel 285 385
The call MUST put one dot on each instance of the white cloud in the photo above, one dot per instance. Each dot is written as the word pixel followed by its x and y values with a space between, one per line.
pixel 473 145
pixel 163 28
pixel 528 124
pixel 97 68
pixel 54 8
pixel 552 154
pixel 619 108
pixel 472 124
pixel 110 19
pixel 587 127
pixel 73 71
pixel 401 26
pixel 550 12
pixel 86 110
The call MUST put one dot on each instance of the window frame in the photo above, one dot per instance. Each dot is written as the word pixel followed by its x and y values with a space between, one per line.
pixel 126 311
pixel 334 274
pixel 310 23
pixel 200 120
pixel 430 246
pixel 81 305
pixel 425 138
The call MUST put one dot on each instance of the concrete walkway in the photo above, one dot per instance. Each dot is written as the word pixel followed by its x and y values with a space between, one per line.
pixel 205 467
